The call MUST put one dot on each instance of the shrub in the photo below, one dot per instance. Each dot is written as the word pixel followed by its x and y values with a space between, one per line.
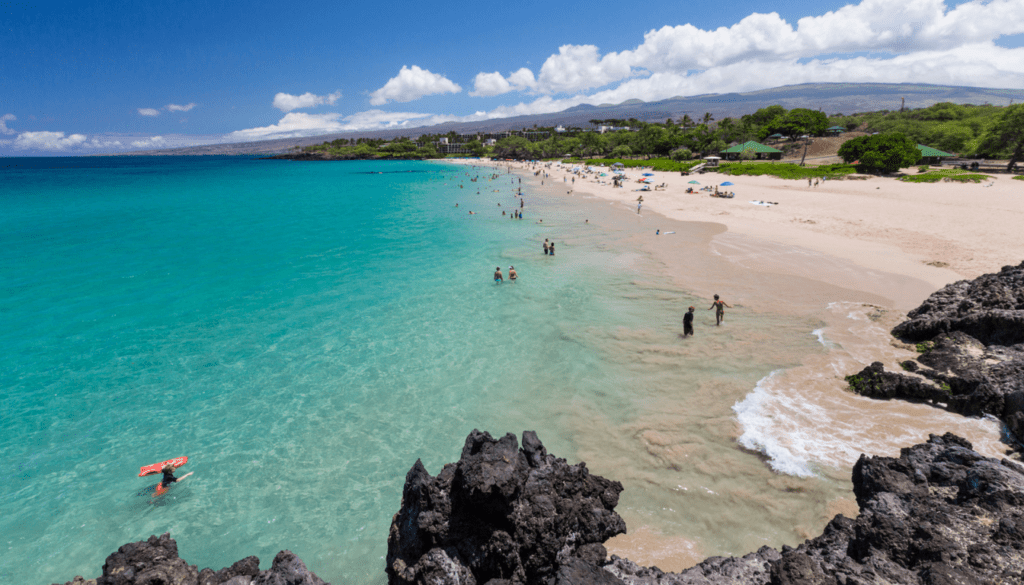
pixel 885 153
pixel 681 154
pixel 922 169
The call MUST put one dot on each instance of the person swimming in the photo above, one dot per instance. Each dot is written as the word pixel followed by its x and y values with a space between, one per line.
pixel 719 307
pixel 168 479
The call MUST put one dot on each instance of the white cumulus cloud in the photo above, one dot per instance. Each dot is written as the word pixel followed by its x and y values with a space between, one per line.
pixel 490 84
pixel 148 112
pixel 287 102
pixel 3 123
pixel 412 83
pixel 177 108
pixel 151 142
pixel 54 141
pixel 910 27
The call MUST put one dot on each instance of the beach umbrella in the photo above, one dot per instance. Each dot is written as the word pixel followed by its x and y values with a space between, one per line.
pixel 695 182
pixel 726 184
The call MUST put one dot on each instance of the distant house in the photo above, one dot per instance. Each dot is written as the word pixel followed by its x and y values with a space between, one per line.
pixel 760 151
pixel 835 131
pixel 776 137
pixel 560 129
pixel 932 156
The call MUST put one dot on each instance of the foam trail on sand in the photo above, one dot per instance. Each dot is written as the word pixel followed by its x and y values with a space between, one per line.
pixel 820 334
pixel 757 434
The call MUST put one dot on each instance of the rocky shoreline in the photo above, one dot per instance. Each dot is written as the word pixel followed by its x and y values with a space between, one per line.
pixel 971 338
pixel 506 514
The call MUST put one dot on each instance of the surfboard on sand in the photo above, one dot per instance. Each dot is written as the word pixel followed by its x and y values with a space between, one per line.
pixel 156 467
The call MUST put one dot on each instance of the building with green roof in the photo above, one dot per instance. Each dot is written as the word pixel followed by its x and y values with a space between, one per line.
pixel 932 156
pixel 760 151
pixel 835 131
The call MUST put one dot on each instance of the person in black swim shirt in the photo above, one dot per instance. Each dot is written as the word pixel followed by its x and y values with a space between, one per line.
pixel 168 479
pixel 688 322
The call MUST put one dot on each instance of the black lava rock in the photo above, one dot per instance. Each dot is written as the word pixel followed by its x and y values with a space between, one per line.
pixel 502 514
pixel 156 562
pixel 965 363
pixel 989 308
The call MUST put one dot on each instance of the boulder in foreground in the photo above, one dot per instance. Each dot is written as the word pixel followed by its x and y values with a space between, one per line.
pixel 156 562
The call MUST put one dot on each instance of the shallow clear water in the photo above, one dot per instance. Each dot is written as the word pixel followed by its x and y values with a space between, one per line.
pixel 306 331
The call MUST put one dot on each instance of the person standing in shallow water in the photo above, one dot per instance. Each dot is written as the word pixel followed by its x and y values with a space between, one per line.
pixel 551 248
pixel 498 278
pixel 545 246
pixel 688 322
pixel 719 307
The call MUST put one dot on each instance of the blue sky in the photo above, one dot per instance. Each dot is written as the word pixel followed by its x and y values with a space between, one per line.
pixel 83 78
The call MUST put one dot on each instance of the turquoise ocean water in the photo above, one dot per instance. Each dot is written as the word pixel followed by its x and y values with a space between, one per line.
pixel 304 332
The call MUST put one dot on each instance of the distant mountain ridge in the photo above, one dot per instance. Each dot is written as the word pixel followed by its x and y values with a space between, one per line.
pixel 831 98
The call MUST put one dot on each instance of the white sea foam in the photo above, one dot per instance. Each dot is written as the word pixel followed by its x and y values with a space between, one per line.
pixel 820 334
pixel 760 432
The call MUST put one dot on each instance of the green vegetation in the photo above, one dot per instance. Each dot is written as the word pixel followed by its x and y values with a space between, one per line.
pixel 787 170
pixel 864 385
pixel 795 123
pixel 946 175
pixel 655 164
pixel 886 153
pixel 924 346
pixel 1019 178
pixel 983 131
pixel 368 148
pixel 1005 137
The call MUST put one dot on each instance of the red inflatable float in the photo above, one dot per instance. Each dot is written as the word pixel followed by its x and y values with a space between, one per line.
pixel 156 467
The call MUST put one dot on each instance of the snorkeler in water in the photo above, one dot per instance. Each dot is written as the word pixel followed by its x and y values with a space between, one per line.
pixel 168 479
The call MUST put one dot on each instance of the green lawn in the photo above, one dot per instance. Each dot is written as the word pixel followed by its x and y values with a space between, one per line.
pixel 946 175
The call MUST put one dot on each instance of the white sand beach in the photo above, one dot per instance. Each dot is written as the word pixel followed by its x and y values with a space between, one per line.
pixel 934 232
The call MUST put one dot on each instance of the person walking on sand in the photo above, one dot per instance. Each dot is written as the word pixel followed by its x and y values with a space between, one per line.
pixel 498 279
pixel 719 307
pixel 512 275
pixel 688 322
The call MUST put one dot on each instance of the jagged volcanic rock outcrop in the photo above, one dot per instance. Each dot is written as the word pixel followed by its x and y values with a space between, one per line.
pixel 989 308
pixel 972 338
pixel 503 515
pixel 940 513
pixel 156 562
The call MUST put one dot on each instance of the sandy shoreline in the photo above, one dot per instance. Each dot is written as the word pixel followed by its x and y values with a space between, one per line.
pixel 936 233
pixel 850 254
